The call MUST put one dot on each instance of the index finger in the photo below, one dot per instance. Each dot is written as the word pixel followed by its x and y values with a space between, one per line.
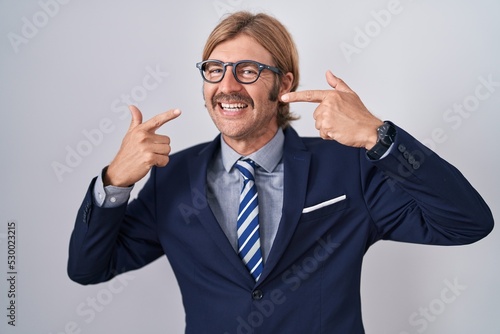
pixel 157 121
pixel 305 96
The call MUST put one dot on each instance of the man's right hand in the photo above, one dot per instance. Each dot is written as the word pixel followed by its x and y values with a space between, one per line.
pixel 141 149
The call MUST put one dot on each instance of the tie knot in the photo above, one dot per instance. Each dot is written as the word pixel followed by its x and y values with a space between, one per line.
pixel 246 168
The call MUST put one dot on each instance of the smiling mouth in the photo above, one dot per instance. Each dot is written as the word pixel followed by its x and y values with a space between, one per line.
pixel 232 107
pixel 232 103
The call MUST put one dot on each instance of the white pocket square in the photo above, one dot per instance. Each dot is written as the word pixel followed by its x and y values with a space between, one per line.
pixel 323 204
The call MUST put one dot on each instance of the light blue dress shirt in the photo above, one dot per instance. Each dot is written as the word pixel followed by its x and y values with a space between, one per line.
pixel 225 182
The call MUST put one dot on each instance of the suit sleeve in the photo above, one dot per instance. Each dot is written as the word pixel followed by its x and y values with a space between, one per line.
pixel 108 241
pixel 415 196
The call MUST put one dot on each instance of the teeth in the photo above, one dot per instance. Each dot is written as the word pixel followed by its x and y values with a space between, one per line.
pixel 233 106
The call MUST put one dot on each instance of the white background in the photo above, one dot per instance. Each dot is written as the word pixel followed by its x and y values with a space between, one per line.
pixel 66 68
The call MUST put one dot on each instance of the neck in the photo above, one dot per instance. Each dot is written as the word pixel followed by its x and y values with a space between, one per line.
pixel 247 146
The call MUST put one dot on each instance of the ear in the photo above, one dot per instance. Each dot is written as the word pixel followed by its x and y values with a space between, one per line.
pixel 286 83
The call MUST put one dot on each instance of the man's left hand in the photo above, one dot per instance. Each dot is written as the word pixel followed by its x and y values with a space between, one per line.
pixel 341 115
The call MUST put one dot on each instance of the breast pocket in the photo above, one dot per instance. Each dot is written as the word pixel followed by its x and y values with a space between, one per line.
pixel 324 209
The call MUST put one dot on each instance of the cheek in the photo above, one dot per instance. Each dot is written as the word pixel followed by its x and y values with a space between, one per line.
pixel 207 92
pixel 271 89
pixel 264 99
pixel 204 91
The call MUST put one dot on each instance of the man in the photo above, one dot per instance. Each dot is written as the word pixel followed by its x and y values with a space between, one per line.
pixel 289 260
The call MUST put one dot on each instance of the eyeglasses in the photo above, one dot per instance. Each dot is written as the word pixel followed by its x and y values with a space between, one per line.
pixel 244 71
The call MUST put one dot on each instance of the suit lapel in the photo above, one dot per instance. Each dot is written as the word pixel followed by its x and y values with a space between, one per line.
pixel 296 160
pixel 198 180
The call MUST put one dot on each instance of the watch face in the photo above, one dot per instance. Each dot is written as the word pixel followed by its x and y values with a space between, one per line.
pixel 386 133
pixel 382 130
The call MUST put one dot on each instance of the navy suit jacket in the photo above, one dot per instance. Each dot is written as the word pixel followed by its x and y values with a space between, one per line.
pixel 337 203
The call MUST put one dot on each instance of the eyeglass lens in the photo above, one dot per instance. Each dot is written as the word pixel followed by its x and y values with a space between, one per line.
pixel 246 72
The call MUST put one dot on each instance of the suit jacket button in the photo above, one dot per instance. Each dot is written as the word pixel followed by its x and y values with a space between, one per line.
pixel 257 295
pixel 401 148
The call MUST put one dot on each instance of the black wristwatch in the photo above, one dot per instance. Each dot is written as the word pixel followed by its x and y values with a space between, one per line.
pixel 386 134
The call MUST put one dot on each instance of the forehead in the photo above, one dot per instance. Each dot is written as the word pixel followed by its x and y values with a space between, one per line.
pixel 239 48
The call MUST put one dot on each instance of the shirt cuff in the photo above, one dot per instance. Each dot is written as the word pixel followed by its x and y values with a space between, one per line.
pixel 110 196
pixel 387 152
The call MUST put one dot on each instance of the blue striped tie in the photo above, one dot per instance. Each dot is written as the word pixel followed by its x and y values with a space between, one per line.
pixel 248 220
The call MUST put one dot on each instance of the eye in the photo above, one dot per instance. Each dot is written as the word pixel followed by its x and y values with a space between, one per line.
pixel 213 69
pixel 248 70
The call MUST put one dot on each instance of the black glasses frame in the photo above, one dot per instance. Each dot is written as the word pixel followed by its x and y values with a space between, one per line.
pixel 261 67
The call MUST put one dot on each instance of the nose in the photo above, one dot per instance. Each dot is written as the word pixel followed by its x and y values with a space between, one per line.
pixel 229 84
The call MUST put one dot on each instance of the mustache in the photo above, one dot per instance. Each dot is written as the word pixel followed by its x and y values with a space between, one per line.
pixel 222 97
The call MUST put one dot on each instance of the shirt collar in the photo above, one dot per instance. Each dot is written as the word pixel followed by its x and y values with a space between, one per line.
pixel 266 157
